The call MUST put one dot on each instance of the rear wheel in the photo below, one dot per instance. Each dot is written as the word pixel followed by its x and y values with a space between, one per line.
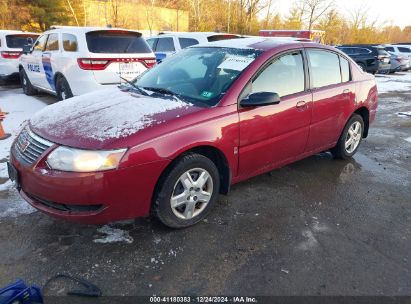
pixel 350 138
pixel 63 89
pixel 188 192
pixel 28 88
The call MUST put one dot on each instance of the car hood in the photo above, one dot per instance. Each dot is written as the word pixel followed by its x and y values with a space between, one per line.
pixel 106 118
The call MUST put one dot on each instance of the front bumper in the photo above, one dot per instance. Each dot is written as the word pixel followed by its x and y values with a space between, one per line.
pixel 90 198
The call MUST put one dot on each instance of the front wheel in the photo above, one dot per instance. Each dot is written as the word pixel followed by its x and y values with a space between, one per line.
pixel 63 89
pixel 188 192
pixel 350 138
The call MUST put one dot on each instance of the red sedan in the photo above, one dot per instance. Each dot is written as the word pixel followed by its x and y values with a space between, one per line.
pixel 206 118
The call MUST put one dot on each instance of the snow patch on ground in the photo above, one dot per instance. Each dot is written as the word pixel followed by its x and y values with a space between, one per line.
pixel 20 108
pixel 408 139
pixel 113 235
pixel 393 83
pixel 14 206
pixel 110 113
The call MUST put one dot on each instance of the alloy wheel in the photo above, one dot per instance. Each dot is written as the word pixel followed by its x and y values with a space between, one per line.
pixel 191 194
pixel 353 137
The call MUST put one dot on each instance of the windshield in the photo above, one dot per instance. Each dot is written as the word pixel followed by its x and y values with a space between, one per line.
pixel 199 75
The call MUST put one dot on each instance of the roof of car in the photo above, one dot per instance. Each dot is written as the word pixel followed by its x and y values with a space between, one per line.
pixel 258 43
pixel 8 32
pixel 82 29
pixel 190 34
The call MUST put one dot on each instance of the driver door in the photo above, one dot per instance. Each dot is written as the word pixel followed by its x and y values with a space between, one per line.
pixel 276 134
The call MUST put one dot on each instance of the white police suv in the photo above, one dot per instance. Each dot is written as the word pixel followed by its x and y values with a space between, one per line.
pixel 11 46
pixel 69 61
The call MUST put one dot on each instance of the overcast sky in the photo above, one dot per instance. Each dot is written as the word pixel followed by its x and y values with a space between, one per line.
pixel 396 11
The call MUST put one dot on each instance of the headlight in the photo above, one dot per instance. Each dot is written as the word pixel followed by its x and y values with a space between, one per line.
pixel 76 160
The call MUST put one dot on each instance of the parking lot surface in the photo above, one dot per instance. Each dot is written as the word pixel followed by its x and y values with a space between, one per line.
pixel 317 227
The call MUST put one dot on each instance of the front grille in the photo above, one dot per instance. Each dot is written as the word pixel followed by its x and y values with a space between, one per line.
pixel 29 147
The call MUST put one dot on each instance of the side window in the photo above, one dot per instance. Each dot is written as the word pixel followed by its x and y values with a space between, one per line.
pixel 324 67
pixel 53 42
pixel 152 42
pixel 404 50
pixel 70 43
pixel 364 51
pixel 165 45
pixel 285 76
pixel 186 42
pixel 40 43
pixel 389 49
pixel 345 70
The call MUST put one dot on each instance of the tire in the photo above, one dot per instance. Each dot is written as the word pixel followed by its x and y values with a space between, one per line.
pixel 28 88
pixel 342 151
pixel 63 89
pixel 187 196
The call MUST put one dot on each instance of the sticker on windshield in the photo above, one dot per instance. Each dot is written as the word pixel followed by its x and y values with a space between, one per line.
pixel 236 63
pixel 206 94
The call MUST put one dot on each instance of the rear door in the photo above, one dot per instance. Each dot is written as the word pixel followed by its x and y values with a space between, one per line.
pixel 115 54
pixel 278 133
pixel 51 51
pixel 333 97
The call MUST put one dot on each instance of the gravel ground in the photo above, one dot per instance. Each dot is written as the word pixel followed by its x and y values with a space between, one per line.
pixel 316 227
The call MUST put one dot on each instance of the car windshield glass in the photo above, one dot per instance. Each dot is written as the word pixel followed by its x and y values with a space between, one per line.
pixel 112 42
pixel 199 75
pixel 18 41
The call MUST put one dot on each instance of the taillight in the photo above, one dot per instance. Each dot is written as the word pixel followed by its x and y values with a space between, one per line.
pixel 92 64
pixel 102 63
pixel 10 55
pixel 150 62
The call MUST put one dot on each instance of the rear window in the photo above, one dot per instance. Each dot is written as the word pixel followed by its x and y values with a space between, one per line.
pixel 221 37
pixel 186 42
pixel 113 42
pixel 18 41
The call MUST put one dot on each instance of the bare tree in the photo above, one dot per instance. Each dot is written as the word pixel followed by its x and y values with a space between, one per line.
pixel 312 10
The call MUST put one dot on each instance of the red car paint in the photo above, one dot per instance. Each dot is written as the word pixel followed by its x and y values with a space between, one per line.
pixel 241 135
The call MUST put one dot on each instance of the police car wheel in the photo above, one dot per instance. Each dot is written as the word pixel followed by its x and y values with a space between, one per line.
pixel 28 88
pixel 63 89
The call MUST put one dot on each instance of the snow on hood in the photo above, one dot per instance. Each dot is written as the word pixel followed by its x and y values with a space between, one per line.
pixel 102 115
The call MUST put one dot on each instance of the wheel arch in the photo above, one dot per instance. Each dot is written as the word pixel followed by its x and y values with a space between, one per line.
pixel 365 114
pixel 57 75
pixel 211 152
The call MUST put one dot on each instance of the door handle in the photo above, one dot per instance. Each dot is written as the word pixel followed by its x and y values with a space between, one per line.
pixel 301 105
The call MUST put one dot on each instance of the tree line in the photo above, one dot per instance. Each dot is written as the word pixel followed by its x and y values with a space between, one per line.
pixel 235 16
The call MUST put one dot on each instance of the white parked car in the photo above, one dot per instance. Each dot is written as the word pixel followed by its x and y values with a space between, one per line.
pixel 399 49
pixel 69 61
pixel 11 46
pixel 166 44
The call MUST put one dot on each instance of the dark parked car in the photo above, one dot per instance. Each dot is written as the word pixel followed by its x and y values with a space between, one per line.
pixel 210 116
pixel 370 58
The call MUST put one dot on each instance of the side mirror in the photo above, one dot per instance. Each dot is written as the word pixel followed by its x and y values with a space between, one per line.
pixel 260 99
pixel 27 48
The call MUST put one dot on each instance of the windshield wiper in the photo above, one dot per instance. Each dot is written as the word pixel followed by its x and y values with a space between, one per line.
pixel 135 86
pixel 161 90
